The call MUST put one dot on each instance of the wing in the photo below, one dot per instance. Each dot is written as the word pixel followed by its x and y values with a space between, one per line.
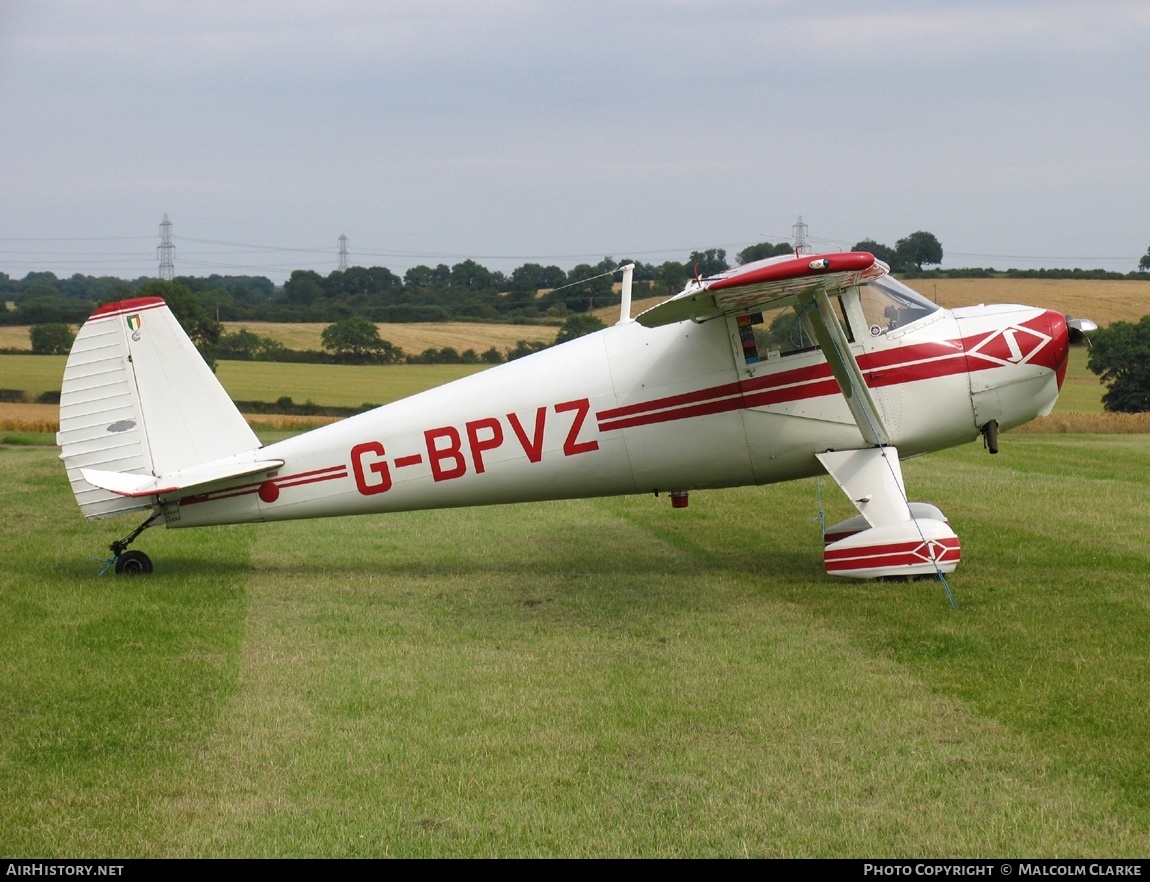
pixel 805 279
pixel 748 288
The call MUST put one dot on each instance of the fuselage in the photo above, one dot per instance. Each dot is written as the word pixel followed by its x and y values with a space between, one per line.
pixel 632 409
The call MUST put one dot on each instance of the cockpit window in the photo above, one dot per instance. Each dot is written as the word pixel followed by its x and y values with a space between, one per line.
pixel 888 304
pixel 785 330
pixel 779 331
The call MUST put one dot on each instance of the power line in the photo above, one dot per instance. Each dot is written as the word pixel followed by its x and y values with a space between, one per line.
pixel 73 238
pixel 215 257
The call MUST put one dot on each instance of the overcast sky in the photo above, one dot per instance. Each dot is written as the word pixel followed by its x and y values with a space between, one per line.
pixel 508 131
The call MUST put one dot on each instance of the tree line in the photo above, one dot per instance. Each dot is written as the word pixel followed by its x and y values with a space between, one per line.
pixel 466 291
pixel 350 340
pixel 354 299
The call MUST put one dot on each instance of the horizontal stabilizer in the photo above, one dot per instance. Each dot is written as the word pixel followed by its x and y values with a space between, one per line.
pixel 750 287
pixel 135 486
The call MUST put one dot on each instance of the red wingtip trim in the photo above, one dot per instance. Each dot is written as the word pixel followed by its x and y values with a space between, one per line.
pixel 799 266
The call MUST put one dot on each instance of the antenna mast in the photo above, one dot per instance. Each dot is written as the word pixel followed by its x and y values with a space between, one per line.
pixel 342 253
pixel 166 251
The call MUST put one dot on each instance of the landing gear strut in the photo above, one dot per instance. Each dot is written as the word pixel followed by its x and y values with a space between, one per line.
pixel 131 563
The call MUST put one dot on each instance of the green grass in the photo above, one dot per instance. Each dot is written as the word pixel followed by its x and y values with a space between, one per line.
pixel 588 678
pixel 27 438
pixel 1081 391
pixel 34 374
pixel 334 385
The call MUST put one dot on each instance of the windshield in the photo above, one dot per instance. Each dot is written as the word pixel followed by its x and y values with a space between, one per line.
pixel 888 304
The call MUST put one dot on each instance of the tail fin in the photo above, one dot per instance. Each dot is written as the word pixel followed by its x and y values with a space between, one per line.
pixel 137 399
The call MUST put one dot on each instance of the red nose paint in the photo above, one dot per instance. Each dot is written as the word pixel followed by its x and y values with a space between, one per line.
pixel 1056 322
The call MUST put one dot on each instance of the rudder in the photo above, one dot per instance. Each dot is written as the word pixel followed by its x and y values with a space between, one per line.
pixel 137 398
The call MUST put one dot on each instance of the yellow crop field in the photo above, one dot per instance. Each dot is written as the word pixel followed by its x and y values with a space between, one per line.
pixel 29 417
pixel 1103 301
pixel 14 337
pixel 412 338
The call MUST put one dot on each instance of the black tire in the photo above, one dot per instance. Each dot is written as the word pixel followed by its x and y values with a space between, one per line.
pixel 133 563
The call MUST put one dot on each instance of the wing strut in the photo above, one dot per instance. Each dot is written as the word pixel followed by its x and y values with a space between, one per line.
pixel 833 341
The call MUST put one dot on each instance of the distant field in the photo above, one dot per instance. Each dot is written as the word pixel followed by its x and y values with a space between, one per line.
pixel 412 338
pixel 34 374
pixel 1079 406
pixel 14 337
pixel 1105 302
pixel 332 384
pixel 328 384
pixel 1081 390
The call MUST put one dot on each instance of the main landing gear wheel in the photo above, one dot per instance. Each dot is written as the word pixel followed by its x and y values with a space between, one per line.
pixel 133 563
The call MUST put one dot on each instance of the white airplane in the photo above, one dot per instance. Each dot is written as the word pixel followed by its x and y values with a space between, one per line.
pixel 772 371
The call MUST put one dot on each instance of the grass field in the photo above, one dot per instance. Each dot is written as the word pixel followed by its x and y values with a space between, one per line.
pixel 412 338
pixel 1081 390
pixel 592 678
pixel 335 385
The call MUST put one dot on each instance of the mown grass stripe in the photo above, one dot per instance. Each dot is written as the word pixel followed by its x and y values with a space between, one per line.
pixel 591 678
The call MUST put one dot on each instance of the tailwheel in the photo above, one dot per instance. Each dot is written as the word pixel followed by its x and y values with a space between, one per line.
pixel 133 563
pixel 130 563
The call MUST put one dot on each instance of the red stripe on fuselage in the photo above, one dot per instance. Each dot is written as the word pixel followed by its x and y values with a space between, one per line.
pixel 905 364
pixel 315 476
